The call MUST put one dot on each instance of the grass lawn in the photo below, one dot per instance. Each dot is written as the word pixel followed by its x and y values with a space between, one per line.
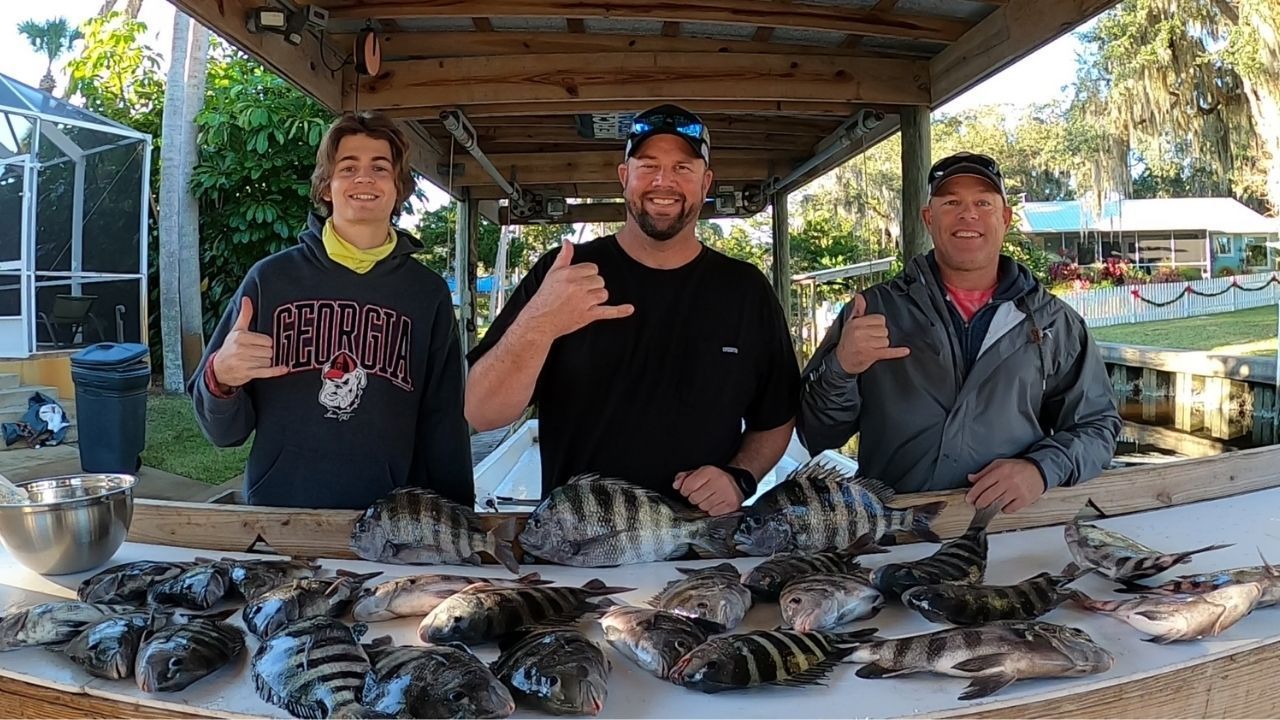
pixel 1244 332
pixel 175 443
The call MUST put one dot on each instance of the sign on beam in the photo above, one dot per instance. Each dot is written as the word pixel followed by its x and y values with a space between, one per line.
pixel 605 125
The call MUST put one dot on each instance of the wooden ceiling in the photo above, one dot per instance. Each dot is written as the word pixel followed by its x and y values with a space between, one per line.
pixel 775 80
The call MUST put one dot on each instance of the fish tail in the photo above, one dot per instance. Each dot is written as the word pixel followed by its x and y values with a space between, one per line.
pixel 597 587
pixel 1075 571
pixel 864 544
pixel 1181 557
pixel 358 578
pixel 1089 603
pixel 1271 570
pixel 715 537
pixel 982 518
pixel 500 538
pixel 919 520
pixel 1090 511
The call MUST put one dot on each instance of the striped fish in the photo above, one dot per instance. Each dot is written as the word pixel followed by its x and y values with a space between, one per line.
pixel 818 507
pixel 827 601
pixel 715 594
pixel 254 577
pixel 108 648
pixel 654 639
pixel 593 521
pixel 272 610
pixel 1117 556
pixel 128 583
pixel 764 657
pixel 992 655
pixel 483 612
pixel 963 559
pixel 197 588
pixel 176 656
pixel 417 595
pixel 1168 618
pixel 767 579
pixel 313 668
pixel 961 604
pixel 53 623
pixel 415 526
pixel 1264 575
pixel 556 670
pixel 438 681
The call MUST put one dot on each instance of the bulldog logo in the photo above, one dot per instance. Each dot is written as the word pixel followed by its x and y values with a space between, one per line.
pixel 342 384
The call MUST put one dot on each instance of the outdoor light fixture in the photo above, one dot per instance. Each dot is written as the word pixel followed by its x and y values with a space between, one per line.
pixel 726 200
pixel 555 207
pixel 279 21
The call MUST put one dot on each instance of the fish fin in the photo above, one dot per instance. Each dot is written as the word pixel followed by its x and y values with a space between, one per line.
pixel 1075 571
pixel 460 646
pixel 982 518
pixel 721 569
pixel 586 545
pixel 874 671
pixel 1179 558
pixel 500 538
pixel 1088 603
pixel 534 578
pixel 987 685
pixel 596 587
pixel 920 520
pixel 476 586
pixel 860 635
pixel 360 578
pixel 1271 570
pixel 1089 511
pixel 982 663
pixel 864 544
pixel 715 539
pixel 1152 615
pixel 1131 587
pixel 384 640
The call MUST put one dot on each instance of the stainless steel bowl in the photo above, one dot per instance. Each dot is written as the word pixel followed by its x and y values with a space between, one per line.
pixel 72 524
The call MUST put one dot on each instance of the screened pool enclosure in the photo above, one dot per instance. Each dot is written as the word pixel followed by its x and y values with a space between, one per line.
pixel 74 203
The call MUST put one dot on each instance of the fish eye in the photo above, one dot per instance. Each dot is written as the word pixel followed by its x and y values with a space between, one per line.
pixel 457 696
pixel 555 681
pixel 793 601
pixel 711 665
pixel 681 645
pixel 702 605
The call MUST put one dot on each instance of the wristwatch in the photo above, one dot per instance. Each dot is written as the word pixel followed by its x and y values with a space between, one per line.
pixel 743 478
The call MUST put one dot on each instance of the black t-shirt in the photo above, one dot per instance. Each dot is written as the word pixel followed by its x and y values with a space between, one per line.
pixel 668 388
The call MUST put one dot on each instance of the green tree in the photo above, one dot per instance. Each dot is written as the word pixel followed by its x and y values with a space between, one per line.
pixel 54 38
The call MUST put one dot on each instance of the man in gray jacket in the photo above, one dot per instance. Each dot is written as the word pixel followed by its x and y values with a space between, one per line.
pixel 963 370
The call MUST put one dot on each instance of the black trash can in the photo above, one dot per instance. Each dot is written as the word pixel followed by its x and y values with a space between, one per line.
pixel 111 382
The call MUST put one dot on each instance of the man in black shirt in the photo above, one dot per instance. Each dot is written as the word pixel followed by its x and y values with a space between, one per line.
pixel 646 352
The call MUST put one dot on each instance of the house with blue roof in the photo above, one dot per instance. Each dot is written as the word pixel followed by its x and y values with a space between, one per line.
pixel 1217 235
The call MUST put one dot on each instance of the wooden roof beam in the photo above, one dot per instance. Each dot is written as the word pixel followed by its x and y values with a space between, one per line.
pixel 786 108
pixel 599 166
pixel 644 77
pixel 762 13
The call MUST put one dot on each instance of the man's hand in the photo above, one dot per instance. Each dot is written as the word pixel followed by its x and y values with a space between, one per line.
pixel 245 355
pixel 865 340
pixel 571 297
pixel 711 489
pixel 1009 484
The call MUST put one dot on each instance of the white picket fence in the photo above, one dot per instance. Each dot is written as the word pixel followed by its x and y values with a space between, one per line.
pixel 1117 305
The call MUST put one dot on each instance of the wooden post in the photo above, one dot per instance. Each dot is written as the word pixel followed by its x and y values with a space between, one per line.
pixel 464 268
pixel 916 153
pixel 782 255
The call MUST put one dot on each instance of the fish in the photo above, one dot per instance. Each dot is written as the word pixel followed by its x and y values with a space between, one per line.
pixel 654 639
pixel 415 526
pixel 197 588
pixel 991 655
pixel 556 670
pixel 1169 618
pixel 764 657
pixel 314 667
pixel 1117 556
pixel 1206 582
pixel 437 681
pixel 819 506
pixel 482 612
pixel 828 601
pixel 255 577
pixel 53 623
pixel 417 595
pixel 128 583
pixel 595 521
pixel 274 609
pixel 963 559
pixel 715 593
pixel 961 604
pixel 176 656
pixel 108 648
pixel 767 579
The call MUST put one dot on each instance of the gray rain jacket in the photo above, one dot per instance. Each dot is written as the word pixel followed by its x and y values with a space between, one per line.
pixel 1037 388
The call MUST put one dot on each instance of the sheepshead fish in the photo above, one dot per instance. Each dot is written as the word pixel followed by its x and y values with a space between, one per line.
pixel 176 656
pixel 767 579
pixel 764 657
pixel 715 593
pixel 1117 556
pixel 437 681
pixel 593 521
pixel 654 639
pixel 53 623
pixel 963 559
pixel 992 655
pixel 557 670
pixel 827 601
pixel 483 612
pixel 313 668
pixel 108 648
pixel 818 507
pixel 272 610
pixel 1264 575
pixel 417 595
pixel 413 526
pixel 254 577
pixel 197 588
pixel 961 604
pixel 1181 617
pixel 128 583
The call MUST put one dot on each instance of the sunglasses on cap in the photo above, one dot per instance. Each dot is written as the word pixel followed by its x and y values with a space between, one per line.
pixel 965 163
pixel 670 120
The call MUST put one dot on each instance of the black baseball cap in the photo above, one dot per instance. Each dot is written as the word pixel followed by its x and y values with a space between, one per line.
pixel 670 120
pixel 965 163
